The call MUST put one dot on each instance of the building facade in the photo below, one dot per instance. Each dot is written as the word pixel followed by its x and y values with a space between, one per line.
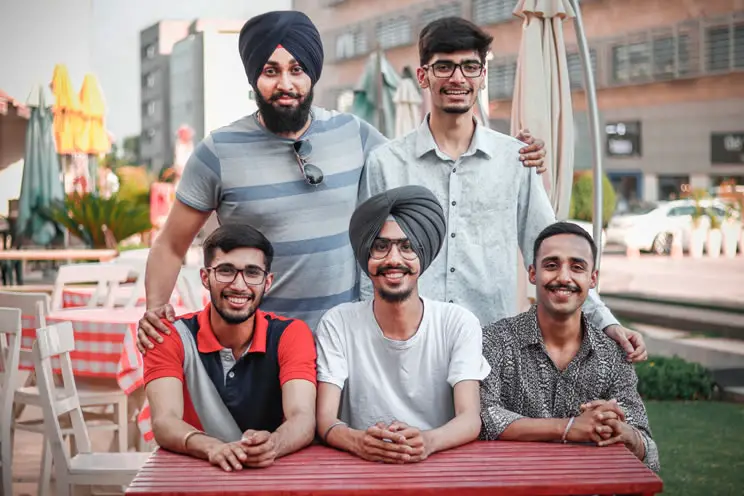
pixel 669 75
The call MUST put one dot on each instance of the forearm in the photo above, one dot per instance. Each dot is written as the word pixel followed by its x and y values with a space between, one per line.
pixel 597 312
pixel 532 429
pixel 163 266
pixel 294 434
pixel 170 433
pixel 460 430
pixel 341 437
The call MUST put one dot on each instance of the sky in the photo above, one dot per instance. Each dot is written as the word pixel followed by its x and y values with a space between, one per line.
pixel 98 36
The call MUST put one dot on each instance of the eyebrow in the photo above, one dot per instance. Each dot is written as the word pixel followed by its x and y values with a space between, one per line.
pixel 276 64
pixel 572 260
pixel 449 61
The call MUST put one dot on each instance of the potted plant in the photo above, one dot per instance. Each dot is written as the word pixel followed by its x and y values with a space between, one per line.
pixel 699 232
pixel 715 236
pixel 731 229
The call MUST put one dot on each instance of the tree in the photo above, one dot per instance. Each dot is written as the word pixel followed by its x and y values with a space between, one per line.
pixel 582 198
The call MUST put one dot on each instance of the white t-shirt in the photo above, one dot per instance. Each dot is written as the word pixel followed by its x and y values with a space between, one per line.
pixel 411 381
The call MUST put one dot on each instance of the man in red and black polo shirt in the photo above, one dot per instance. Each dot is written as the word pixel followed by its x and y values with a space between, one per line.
pixel 233 384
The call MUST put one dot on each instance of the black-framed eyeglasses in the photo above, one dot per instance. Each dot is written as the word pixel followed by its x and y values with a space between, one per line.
pixel 312 173
pixel 253 275
pixel 381 248
pixel 447 69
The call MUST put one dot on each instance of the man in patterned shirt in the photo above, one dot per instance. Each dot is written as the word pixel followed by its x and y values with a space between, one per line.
pixel 555 376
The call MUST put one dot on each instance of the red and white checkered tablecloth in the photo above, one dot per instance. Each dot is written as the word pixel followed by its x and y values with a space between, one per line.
pixel 75 297
pixel 105 346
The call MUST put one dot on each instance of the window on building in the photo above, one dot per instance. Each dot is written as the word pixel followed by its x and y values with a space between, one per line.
pixel 493 11
pixel 631 63
pixel 150 51
pixel 501 80
pixel 623 139
pixel 149 108
pixel 673 188
pixel 725 47
pixel 671 56
pixel 393 32
pixel 150 80
pixel 452 9
pixel 351 44
pixel 576 71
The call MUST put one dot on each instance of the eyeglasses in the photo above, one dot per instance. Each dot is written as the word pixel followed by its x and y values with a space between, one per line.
pixel 447 69
pixel 381 248
pixel 312 173
pixel 226 274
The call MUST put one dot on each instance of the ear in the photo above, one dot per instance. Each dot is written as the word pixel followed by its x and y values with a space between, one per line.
pixel 532 274
pixel 595 278
pixel 268 282
pixel 204 274
pixel 423 81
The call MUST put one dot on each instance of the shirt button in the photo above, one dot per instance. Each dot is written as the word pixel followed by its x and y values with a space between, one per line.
pixel 451 301
pixel 454 170
pixel 231 375
pixel 452 235
pixel 454 203
pixel 452 269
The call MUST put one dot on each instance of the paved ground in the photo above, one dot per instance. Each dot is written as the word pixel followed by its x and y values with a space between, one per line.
pixel 706 279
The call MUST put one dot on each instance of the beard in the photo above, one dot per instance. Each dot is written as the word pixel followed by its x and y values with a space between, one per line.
pixel 230 316
pixel 280 119
pixel 395 297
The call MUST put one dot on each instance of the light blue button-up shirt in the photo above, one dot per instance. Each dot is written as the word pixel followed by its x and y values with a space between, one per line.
pixel 493 205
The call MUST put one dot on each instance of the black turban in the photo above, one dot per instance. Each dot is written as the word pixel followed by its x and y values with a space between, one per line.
pixel 292 30
pixel 416 210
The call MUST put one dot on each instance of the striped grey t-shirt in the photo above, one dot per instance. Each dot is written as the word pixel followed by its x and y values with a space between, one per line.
pixel 249 175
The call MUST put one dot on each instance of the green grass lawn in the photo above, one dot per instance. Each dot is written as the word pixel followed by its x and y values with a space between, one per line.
pixel 701 447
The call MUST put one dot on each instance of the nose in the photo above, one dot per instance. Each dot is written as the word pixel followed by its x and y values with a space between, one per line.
pixel 394 257
pixel 285 82
pixel 564 274
pixel 458 76
pixel 239 282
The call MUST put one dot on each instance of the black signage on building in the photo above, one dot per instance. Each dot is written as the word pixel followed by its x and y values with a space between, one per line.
pixel 623 139
pixel 727 148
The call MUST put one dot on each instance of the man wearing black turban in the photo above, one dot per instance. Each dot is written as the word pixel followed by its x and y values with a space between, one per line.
pixel 405 360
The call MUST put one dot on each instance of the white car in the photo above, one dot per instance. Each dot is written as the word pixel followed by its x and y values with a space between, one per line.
pixel 652 227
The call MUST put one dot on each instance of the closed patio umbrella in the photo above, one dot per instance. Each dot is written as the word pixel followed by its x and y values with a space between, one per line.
pixel 92 138
pixel 407 107
pixel 373 96
pixel 542 93
pixel 42 184
pixel 66 112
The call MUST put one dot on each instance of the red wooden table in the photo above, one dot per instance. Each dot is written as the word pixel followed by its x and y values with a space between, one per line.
pixel 481 468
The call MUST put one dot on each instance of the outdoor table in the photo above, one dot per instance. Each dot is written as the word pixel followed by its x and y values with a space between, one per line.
pixel 37 255
pixel 479 468
pixel 79 296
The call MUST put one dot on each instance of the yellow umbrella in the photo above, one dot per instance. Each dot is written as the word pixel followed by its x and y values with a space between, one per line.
pixel 66 111
pixel 92 138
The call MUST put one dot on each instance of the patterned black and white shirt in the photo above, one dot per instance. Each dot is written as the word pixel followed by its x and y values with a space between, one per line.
pixel 524 381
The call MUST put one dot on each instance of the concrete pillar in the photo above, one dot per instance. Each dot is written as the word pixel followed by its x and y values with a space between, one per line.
pixel 650 187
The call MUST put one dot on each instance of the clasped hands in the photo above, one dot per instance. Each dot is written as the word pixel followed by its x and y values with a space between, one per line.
pixel 394 443
pixel 256 449
pixel 603 422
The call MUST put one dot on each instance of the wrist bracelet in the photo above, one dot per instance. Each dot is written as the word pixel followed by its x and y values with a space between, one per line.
pixel 330 428
pixel 568 427
pixel 189 435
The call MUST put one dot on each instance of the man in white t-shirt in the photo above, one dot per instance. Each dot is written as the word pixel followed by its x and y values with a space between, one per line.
pixel 398 376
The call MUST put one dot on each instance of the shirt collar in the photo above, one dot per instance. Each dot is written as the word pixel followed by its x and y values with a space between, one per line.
pixel 425 141
pixel 206 341
pixel 531 334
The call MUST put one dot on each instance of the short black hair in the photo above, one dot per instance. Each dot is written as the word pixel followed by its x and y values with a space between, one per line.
pixel 229 237
pixel 452 34
pixel 564 228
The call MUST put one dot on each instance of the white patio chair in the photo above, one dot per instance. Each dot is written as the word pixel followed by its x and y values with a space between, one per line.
pixel 190 289
pixel 10 345
pixel 84 468
pixel 107 276
pixel 34 307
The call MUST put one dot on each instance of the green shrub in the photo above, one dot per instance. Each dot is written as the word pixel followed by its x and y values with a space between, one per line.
pixel 89 216
pixel 582 198
pixel 664 378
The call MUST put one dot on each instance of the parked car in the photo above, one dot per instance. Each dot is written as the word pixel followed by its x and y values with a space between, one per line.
pixel 588 227
pixel 652 226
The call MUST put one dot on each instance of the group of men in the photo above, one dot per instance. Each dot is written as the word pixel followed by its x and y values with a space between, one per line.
pixel 391 363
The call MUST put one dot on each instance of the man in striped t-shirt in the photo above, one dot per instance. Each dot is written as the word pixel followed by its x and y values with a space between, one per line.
pixel 291 170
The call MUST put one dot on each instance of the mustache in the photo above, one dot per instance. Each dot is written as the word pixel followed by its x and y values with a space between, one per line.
pixel 569 287
pixel 281 94
pixel 388 268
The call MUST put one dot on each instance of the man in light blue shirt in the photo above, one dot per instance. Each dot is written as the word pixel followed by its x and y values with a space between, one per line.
pixel 492 203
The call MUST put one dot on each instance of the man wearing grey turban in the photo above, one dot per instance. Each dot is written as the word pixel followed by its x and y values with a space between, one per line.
pixel 403 371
